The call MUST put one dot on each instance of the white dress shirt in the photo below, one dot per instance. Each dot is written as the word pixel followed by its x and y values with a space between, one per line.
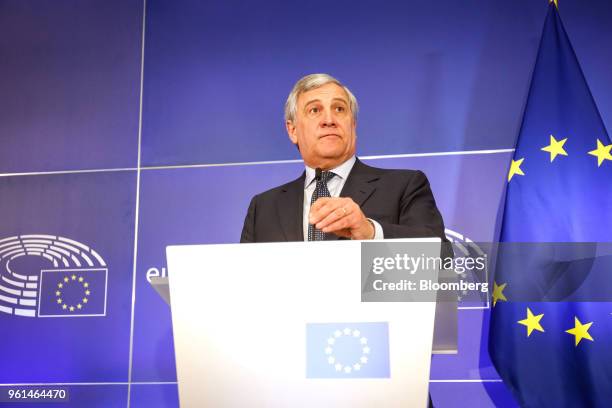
pixel 335 187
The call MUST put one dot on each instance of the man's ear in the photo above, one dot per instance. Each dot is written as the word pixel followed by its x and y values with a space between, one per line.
pixel 291 131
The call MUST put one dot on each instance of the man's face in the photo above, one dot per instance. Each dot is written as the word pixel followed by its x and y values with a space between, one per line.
pixel 324 127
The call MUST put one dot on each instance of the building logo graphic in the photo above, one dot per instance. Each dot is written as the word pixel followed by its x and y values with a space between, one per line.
pixel 465 247
pixel 51 276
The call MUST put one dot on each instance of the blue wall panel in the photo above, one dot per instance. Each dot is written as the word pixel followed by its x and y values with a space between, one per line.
pixel 69 81
pixel 96 210
pixel 430 76
pixel 154 396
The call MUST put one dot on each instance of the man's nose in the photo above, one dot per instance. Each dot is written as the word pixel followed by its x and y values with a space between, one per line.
pixel 328 118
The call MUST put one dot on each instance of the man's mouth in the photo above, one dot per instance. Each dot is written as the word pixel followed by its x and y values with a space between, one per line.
pixel 329 135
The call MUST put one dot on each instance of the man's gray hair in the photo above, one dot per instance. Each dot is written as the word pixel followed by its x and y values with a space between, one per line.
pixel 314 81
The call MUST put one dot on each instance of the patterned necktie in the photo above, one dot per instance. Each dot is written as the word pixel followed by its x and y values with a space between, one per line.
pixel 320 191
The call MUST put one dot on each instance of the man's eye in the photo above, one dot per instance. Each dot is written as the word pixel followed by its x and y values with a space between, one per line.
pixel 314 110
pixel 340 109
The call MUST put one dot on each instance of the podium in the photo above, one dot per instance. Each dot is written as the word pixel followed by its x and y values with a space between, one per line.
pixel 283 324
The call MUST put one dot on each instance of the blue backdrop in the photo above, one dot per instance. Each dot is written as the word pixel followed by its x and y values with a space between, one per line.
pixel 120 120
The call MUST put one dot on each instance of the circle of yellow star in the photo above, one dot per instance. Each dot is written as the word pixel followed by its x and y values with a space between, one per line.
pixel 532 322
pixel 68 281
pixel 602 152
pixel 580 331
pixel 515 168
pixel 498 292
pixel 555 148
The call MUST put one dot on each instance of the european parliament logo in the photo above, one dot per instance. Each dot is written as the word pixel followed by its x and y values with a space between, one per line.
pixel 347 350
pixel 51 276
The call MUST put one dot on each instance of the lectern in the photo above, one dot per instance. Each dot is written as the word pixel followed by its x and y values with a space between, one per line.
pixel 283 324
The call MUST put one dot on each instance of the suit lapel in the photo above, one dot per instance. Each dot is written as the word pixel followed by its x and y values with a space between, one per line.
pixel 290 207
pixel 360 184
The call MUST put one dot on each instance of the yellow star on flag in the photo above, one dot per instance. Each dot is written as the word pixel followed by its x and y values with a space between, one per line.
pixel 555 148
pixel 532 322
pixel 515 168
pixel 602 152
pixel 580 331
pixel 498 292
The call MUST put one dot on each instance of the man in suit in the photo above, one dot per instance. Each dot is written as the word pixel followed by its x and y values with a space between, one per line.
pixel 338 196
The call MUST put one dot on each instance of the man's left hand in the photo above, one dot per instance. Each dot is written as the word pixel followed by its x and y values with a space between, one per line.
pixel 341 216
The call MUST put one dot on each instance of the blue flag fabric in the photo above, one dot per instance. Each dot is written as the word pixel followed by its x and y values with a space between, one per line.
pixel 550 349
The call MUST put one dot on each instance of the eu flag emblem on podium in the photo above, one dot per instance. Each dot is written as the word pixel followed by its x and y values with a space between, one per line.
pixel 550 348
pixel 347 350
pixel 73 292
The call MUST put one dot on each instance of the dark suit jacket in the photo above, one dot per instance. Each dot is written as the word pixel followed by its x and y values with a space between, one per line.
pixel 400 200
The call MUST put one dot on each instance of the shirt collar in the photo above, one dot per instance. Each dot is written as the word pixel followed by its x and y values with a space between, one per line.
pixel 342 171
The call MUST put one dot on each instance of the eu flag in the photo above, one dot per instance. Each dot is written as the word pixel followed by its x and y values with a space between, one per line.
pixel 347 350
pixel 551 347
pixel 73 292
